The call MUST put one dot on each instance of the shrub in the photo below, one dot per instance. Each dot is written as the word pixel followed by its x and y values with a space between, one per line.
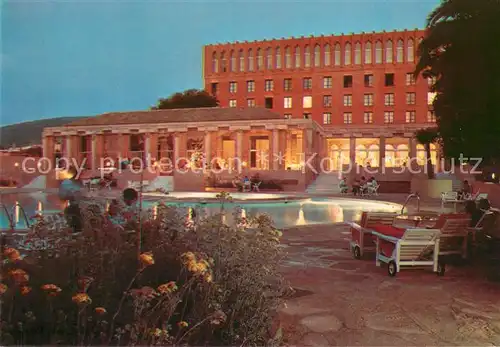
pixel 168 281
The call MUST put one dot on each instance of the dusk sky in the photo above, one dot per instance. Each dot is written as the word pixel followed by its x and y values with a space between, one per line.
pixel 82 57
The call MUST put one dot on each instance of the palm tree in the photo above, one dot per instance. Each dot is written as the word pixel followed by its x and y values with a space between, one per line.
pixel 461 50
pixel 426 137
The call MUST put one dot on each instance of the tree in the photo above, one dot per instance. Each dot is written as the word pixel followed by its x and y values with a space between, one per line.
pixel 191 98
pixel 426 137
pixel 462 52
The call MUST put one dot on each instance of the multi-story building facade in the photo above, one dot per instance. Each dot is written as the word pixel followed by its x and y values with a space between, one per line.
pixel 359 87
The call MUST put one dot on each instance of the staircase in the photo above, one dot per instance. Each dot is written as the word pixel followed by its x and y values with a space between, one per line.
pixel 456 182
pixel 325 183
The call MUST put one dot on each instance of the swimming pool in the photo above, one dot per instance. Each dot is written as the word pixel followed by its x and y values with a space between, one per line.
pixel 286 211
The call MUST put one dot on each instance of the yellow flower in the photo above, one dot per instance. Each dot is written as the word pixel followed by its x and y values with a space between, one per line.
pixel 3 288
pixel 188 256
pixel 147 259
pixel 12 254
pixel 20 276
pixel 81 299
pixel 25 290
pixel 183 324
pixel 100 310
pixel 208 277
pixel 167 288
pixel 156 332
pixel 51 289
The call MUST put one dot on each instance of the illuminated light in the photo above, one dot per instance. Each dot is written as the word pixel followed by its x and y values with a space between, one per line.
pixel 39 207
pixel 155 211
pixel 301 220
pixel 16 164
pixel 244 164
pixel 243 213
pixel 108 164
pixel 493 176
pixel 190 214
pixel 107 206
pixel 17 211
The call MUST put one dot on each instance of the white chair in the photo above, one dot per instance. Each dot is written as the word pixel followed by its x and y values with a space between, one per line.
pixel 361 240
pixel 449 197
pixel 452 230
pixel 255 186
pixel 373 189
pixel 481 196
pixel 344 189
pixel 412 249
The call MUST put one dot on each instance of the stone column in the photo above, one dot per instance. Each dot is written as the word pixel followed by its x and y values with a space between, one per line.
pixel 239 149
pixel 274 157
pixel 94 152
pixel 68 149
pixel 208 147
pixel 282 146
pixel 147 150
pixel 352 150
pixel 412 153
pixel 381 153
pixel 177 145
pixel 48 147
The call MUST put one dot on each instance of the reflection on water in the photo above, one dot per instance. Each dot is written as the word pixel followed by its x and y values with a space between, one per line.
pixel 284 214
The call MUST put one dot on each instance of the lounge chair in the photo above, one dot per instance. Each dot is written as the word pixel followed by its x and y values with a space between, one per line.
pixel 361 239
pixel 450 197
pixel 454 237
pixel 255 186
pixel 373 189
pixel 407 248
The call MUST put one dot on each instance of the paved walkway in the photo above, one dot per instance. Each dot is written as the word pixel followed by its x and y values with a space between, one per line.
pixel 343 301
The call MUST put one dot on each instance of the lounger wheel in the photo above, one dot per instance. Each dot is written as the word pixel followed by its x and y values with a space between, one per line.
pixel 441 268
pixel 392 268
pixel 356 252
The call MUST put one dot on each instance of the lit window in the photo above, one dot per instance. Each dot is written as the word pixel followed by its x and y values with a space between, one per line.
pixel 250 86
pixel 269 58
pixel 242 60
pixel 288 58
pixel 357 53
pixel 347 118
pixel 232 61
pixel 368 100
pixel 250 60
pixel 388 117
pixel 215 63
pixel 378 52
pixel 307 115
pixel 410 54
pixel 287 102
pixel 431 116
pixel 232 103
pixel 278 58
pixel 307 101
pixel 369 80
pixel 347 81
pixel 327 118
pixel 327 82
pixel 317 56
pixel 431 81
pixel 307 83
pixel 348 100
pixel 399 51
pixel 389 99
pixel 233 87
pixel 431 96
pixel 336 55
pixel 251 102
pixel 288 116
pixel 327 101
pixel 328 55
pixel 410 79
pixel 269 85
pixel 389 80
pixel 388 51
pixel 410 116
pixel 368 117
pixel 297 56
pixel 287 84
pixel 368 53
pixel 347 54
pixel 410 98
pixel 260 59
pixel 307 57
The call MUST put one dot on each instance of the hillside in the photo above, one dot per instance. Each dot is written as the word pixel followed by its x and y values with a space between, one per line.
pixel 27 133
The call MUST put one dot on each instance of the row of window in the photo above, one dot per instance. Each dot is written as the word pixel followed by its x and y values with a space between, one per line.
pixel 368 100
pixel 245 60
pixel 410 117
pixel 307 83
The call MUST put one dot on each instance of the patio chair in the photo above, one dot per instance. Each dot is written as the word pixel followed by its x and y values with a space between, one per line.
pixel 450 197
pixel 255 186
pixel 408 248
pixel 94 184
pixel 361 239
pixel 373 189
pixel 343 189
pixel 454 237
pixel 481 196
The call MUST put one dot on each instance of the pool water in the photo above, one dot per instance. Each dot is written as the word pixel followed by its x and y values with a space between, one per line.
pixel 284 213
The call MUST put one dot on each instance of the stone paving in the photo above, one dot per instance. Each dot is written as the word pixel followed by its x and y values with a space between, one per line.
pixel 343 301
